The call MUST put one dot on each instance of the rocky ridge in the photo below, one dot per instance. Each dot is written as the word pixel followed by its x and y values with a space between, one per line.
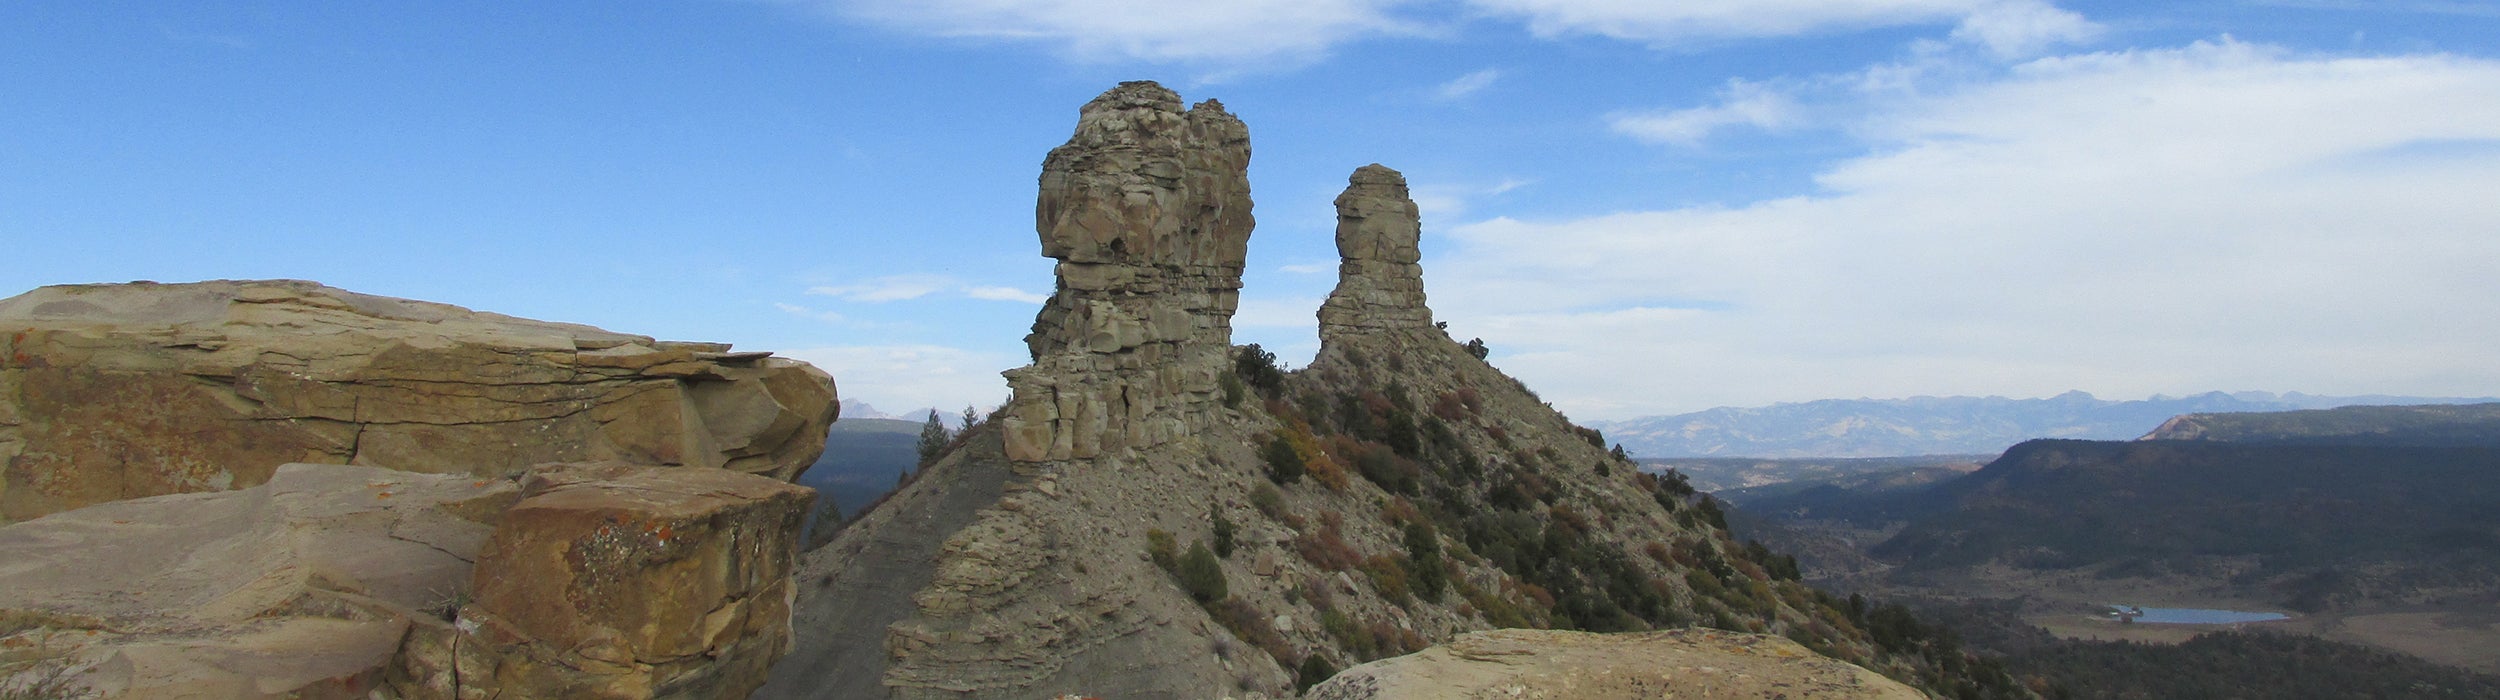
pixel 1395 493
pixel 119 391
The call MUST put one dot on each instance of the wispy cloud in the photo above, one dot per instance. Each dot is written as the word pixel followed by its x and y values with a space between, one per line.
pixel 2162 220
pixel 896 376
pixel 1469 84
pixel 1308 268
pixel 805 312
pixel 907 287
pixel 884 289
pixel 1741 104
pixel 1668 24
pixel 1005 294
pixel 1238 33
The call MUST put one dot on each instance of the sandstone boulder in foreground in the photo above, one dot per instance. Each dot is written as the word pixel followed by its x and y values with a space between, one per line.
pixel 591 581
pixel 115 391
pixel 1558 665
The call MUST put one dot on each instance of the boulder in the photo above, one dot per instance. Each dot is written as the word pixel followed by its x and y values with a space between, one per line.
pixel 116 391
pixel 611 581
pixel 1560 665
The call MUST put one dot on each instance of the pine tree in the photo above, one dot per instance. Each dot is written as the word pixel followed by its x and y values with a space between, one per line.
pixel 933 439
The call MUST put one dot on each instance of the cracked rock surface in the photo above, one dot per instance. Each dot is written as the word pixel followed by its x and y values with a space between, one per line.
pixel 591 581
pixel 116 391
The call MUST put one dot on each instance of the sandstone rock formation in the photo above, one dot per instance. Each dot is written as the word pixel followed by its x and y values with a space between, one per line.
pixel 1558 665
pixel 1396 492
pixel 1147 209
pixel 121 391
pixel 1380 283
pixel 343 581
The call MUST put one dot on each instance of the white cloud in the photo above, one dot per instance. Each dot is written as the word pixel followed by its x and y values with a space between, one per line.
pixel 2020 28
pixel 804 312
pixel 2221 215
pixel 907 287
pixel 1005 294
pixel 1741 104
pixel 1237 32
pixel 883 289
pixel 1308 268
pixel 1468 84
pixel 902 377
pixel 1670 23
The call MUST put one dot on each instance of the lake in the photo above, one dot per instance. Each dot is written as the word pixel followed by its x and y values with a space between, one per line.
pixel 2197 616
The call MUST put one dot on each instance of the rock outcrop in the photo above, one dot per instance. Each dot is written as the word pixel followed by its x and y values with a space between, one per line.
pixel 1558 665
pixel 598 581
pixel 1380 279
pixel 119 391
pixel 1395 493
pixel 1147 210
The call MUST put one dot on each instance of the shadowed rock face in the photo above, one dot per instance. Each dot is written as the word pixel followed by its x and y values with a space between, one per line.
pixel 117 391
pixel 1147 209
pixel 1380 283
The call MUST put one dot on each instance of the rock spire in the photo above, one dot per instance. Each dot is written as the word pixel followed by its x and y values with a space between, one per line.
pixel 1147 209
pixel 1380 281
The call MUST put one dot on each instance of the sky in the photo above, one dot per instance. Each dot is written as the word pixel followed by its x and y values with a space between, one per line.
pixel 1643 207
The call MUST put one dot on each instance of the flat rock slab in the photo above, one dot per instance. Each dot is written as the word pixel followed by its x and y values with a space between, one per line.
pixel 1525 664
pixel 299 585
pixel 117 391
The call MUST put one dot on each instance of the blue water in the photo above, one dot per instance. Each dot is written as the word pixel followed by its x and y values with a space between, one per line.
pixel 2201 616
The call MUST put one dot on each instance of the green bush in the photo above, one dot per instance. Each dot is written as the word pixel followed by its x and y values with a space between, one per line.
pixel 1202 576
pixel 1160 548
pixel 1284 466
pixel 1223 532
pixel 1270 503
pixel 1257 367
pixel 1315 669
pixel 1423 558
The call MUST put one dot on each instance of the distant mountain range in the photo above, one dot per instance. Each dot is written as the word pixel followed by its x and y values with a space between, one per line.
pixel 1930 425
pixel 857 409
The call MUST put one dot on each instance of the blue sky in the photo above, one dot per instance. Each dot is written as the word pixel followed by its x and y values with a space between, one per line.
pixel 1644 207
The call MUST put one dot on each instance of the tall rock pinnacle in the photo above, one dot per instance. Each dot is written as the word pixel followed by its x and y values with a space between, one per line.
pixel 1147 209
pixel 1380 283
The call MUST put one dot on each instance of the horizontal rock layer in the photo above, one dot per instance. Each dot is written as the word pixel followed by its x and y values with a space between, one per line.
pixel 122 391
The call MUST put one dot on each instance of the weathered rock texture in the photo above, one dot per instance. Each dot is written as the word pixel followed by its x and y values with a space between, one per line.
pixel 1147 209
pixel 1557 665
pixel 340 581
pixel 122 391
pixel 1441 497
pixel 1380 281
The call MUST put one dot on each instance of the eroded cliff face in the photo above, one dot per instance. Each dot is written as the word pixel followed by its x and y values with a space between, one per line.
pixel 1147 210
pixel 115 391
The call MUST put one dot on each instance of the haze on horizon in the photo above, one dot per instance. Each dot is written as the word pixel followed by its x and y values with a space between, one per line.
pixel 1643 208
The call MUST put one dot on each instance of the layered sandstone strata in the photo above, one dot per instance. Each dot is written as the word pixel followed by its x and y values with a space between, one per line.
pixel 1147 210
pixel 116 391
